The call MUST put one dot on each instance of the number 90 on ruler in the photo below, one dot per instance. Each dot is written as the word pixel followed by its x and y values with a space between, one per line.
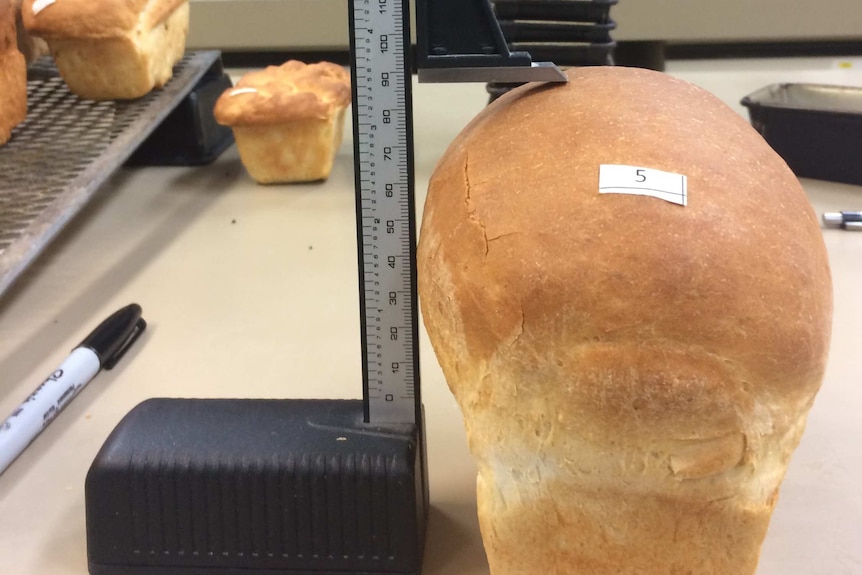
pixel 383 165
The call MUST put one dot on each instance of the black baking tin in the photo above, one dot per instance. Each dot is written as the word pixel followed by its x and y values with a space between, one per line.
pixel 573 10
pixel 815 128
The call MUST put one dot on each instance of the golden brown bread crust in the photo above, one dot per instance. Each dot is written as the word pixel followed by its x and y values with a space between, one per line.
pixel 634 374
pixel 297 151
pixel 117 63
pixel 287 120
pixel 7 25
pixel 95 19
pixel 292 91
pixel 13 74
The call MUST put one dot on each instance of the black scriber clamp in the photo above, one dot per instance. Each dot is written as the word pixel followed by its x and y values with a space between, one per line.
pixel 461 41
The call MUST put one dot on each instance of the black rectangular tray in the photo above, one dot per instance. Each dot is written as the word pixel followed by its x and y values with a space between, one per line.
pixel 571 10
pixel 816 128
pixel 555 31
pixel 568 53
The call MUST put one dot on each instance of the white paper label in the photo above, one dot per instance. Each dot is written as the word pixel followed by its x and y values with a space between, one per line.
pixel 40 5
pixel 239 91
pixel 617 179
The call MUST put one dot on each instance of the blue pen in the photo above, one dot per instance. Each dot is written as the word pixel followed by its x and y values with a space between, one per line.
pixel 846 220
pixel 102 349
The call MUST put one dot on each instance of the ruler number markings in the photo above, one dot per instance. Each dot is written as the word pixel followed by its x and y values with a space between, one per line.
pixel 386 227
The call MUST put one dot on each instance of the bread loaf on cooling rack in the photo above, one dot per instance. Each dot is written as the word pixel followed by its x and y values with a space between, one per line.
pixel 111 49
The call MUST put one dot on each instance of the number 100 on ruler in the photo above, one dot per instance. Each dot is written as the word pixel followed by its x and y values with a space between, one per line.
pixel 383 164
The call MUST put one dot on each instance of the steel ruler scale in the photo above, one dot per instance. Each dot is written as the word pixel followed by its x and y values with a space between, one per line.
pixel 457 40
pixel 386 226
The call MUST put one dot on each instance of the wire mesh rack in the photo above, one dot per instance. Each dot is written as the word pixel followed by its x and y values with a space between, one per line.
pixel 68 147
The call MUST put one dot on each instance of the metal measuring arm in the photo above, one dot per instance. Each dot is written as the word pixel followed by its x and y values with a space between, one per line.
pixel 461 41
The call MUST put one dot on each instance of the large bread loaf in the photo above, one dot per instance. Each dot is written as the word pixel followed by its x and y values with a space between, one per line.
pixel 634 374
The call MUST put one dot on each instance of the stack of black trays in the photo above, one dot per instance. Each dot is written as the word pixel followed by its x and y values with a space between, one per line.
pixel 566 32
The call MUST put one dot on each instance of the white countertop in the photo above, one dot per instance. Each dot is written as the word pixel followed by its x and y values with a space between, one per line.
pixel 250 291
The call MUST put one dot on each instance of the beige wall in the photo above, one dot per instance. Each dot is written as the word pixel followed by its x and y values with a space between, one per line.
pixel 322 24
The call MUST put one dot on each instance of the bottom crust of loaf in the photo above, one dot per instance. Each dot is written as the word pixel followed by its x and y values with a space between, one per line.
pixel 614 532
pixel 123 68
pixel 298 151
pixel 13 92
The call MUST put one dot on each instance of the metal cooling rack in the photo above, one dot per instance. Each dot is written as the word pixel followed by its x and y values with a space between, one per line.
pixel 65 149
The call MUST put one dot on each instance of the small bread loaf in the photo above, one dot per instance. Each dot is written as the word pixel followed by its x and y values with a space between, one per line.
pixel 13 74
pixel 288 120
pixel 111 49
pixel 634 374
